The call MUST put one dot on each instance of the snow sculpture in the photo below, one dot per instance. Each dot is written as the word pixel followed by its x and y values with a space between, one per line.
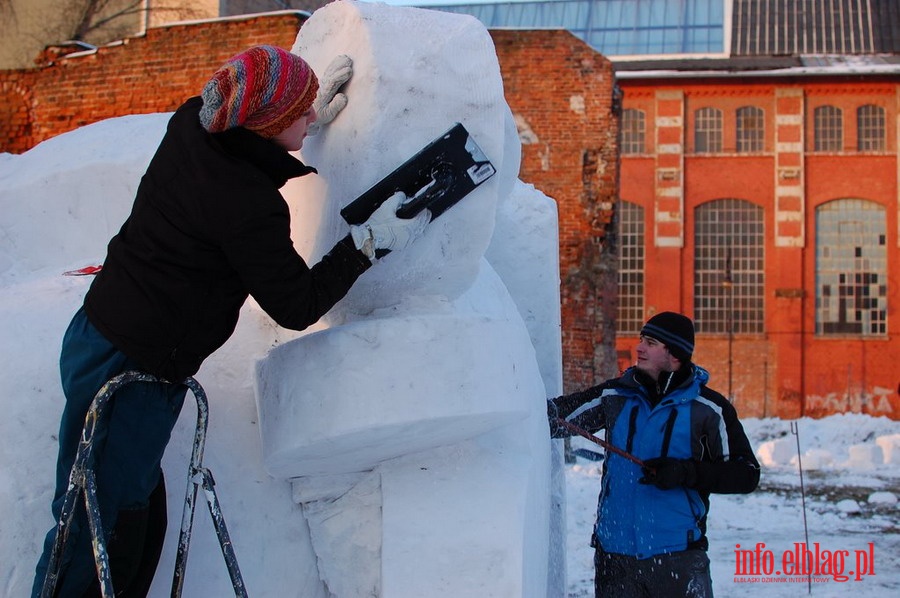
pixel 416 72
pixel 422 395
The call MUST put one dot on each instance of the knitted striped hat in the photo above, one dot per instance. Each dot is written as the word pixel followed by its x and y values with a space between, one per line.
pixel 673 330
pixel 264 89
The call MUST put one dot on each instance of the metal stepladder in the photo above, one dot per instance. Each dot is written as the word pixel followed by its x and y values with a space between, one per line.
pixel 82 484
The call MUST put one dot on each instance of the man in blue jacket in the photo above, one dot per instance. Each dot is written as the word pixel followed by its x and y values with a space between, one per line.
pixel 650 534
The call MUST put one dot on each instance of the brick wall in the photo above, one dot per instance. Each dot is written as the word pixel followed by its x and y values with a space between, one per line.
pixel 155 72
pixel 561 91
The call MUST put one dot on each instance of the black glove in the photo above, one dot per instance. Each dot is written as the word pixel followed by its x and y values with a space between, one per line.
pixel 666 473
pixel 556 431
pixel 552 410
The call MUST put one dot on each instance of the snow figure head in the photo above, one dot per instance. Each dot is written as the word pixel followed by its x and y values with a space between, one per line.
pixel 401 97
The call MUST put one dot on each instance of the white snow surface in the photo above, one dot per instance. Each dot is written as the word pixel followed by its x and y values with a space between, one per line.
pixel 319 535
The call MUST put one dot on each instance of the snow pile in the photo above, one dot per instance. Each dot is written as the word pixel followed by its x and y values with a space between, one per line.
pixel 883 498
pixel 848 506
pixel 53 211
pixel 824 445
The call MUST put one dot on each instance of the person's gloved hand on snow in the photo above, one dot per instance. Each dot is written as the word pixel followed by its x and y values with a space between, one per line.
pixel 385 230
pixel 329 102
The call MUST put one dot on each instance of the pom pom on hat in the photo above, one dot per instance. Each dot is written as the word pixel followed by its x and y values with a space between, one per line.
pixel 264 89
pixel 673 330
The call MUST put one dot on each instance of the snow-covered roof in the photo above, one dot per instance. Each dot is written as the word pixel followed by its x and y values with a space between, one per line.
pixel 760 66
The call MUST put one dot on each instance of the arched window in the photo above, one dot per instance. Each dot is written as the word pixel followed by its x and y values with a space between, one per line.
pixel 828 129
pixel 870 128
pixel 729 267
pixel 708 131
pixel 630 316
pixel 851 268
pixel 633 131
pixel 750 129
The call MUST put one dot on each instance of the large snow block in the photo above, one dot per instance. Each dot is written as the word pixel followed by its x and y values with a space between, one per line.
pixel 524 252
pixel 777 452
pixel 401 97
pixel 325 405
pixel 70 211
pixel 495 550
pixel 890 447
pixel 865 455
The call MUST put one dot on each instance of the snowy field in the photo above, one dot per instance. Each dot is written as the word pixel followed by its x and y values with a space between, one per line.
pixel 852 483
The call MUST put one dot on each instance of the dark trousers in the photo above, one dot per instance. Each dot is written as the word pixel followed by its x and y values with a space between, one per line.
pixel 683 574
pixel 128 448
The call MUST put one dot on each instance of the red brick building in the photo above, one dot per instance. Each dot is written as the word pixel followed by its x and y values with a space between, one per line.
pixel 561 93
pixel 758 187
pixel 765 204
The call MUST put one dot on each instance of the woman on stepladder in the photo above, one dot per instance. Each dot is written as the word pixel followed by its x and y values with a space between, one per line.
pixel 208 229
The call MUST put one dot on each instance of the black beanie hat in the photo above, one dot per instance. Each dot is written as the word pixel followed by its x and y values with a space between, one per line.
pixel 675 331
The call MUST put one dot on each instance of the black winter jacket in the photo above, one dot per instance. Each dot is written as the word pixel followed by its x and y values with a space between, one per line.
pixel 688 422
pixel 207 229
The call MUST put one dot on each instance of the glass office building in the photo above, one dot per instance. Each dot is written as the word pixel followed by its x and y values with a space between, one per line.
pixel 617 27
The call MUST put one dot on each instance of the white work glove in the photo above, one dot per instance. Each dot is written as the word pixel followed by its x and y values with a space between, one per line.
pixel 328 101
pixel 385 230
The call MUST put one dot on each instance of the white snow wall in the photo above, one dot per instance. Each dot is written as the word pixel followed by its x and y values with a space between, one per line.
pixel 388 466
pixel 61 202
pixel 524 251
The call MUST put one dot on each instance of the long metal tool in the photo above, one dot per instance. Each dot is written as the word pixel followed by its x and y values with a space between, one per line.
pixel 608 446
pixel 200 476
pixel 83 484
pixel 795 430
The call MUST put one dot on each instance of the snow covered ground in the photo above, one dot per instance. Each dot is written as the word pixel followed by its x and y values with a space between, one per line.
pixel 852 484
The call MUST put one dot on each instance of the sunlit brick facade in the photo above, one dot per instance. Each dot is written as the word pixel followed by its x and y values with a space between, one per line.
pixel 766 207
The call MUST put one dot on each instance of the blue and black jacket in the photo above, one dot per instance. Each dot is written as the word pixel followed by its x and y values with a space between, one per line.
pixel 679 417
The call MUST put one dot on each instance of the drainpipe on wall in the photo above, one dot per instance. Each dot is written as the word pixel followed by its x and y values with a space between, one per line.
pixel 145 17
